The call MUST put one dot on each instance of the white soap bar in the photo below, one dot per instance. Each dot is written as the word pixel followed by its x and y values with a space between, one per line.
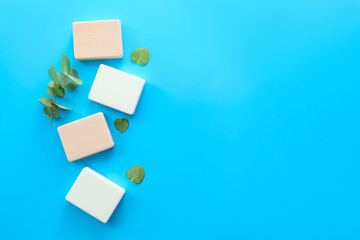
pixel 95 194
pixel 116 89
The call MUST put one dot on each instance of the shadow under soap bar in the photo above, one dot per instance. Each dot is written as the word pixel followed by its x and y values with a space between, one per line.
pixel 97 40
pixel 85 137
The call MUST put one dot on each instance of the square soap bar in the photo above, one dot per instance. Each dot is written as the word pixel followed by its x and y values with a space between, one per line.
pixel 116 89
pixel 95 194
pixel 97 40
pixel 85 137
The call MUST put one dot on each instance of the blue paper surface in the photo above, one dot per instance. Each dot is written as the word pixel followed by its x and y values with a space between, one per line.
pixel 248 125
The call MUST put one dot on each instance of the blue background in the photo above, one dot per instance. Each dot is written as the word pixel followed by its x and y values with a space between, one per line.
pixel 248 126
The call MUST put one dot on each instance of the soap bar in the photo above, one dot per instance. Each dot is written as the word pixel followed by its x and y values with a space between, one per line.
pixel 85 137
pixel 95 194
pixel 116 89
pixel 97 40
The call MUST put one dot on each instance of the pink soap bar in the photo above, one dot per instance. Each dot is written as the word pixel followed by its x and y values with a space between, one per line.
pixel 85 137
pixel 97 39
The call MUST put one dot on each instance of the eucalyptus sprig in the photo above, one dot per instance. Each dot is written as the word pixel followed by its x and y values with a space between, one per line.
pixel 66 79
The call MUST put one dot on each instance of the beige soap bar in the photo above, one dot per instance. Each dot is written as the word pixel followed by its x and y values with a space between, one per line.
pixel 97 40
pixel 85 137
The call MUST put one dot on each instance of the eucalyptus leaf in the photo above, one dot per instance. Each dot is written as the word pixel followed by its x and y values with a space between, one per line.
pixel 46 101
pixel 121 124
pixel 60 106
pixel 67 83
pixel 50 92
pixel 74 73
pixel 52 84
pixel 53 75
pixel 65 64
pixel 76 80
pixel 55 89
pixel 141 56
pixel 136 174
pixel 51 111
pixel 58 91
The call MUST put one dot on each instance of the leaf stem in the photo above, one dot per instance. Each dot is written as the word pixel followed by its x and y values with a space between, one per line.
pixel 52 116
pixel 62 78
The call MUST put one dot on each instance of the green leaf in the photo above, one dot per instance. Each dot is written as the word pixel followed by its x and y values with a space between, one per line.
pixel 46 101
pixel 51 112
pixel 67 83
pixel 50 92
pixel 52 84
pixel 53 92
pixel 136 174
pixel 140 55
pixel 74 73
pixel 76 80
pixel 60 106
pixel 121 124
pixel 55 89
pixel 53 75
pixel 65 64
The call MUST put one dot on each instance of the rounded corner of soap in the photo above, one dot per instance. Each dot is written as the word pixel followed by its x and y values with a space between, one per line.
pixel 119 52
pixel 131 113
pixel 89 96
pixel 76 56
pixel 104 221
pixel 85 169
pixel 101 66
